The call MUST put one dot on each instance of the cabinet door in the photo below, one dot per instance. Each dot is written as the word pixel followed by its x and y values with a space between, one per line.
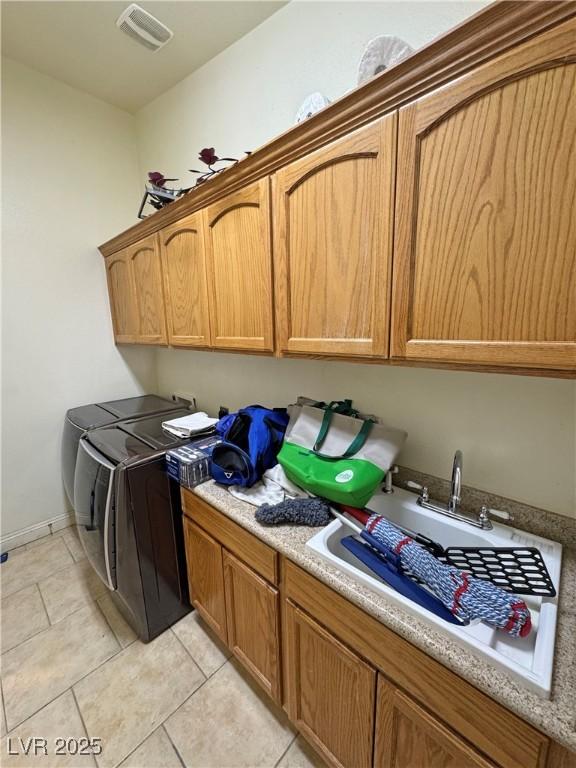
pixel 485 251
pixel 409 737
pixel 144 257
pixel 240 269
pixel 122 295
pixel 330 692
pixel 333 216
pixel 206 577
pixel 185 283
pixel 252 614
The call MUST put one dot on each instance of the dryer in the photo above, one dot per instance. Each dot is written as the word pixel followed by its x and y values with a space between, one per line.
pixel 79 420
pixel 129 519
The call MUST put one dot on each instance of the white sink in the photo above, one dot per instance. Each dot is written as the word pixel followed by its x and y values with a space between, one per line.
pixel 529 660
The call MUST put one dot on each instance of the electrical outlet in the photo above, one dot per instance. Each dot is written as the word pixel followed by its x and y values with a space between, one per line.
pixel 184 396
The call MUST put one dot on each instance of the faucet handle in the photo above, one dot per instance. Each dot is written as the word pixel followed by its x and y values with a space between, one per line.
pixel 417 487
pixel 487 512
pixel 412 484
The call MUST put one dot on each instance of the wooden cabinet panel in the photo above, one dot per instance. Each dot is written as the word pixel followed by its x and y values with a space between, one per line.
pixel 240 269
pixel 123 305
pixel 496 731
pixel 262 558
pixel 206 577
pixel 144 260
pixel 333 214
pixel 560 757
pixel 252 612
pixel 330 692
pixel 485 251
pixel 185 282
pixel 409 737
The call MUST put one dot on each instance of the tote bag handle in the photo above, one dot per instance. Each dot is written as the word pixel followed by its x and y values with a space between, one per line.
pixel 356 444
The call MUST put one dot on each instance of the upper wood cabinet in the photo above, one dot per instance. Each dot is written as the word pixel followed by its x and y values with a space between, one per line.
pixel 407 736
pixel 147 272
pixel 485 256
pixel 333 214
pixel 185 282
pixel 240 269
pixel 137 294
pixel 122 295
pixel 439 233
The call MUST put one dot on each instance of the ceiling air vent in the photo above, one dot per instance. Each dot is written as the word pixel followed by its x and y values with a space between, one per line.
pixel 144 28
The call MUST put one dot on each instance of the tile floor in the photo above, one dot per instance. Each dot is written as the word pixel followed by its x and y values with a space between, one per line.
pixel 72 667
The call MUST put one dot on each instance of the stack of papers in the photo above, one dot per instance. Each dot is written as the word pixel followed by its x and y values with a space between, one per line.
pixel 188 426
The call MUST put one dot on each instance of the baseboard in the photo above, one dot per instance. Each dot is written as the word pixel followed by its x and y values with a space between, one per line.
pixel 37 531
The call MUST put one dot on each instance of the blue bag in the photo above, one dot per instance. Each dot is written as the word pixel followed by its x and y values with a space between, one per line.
pixel 251 439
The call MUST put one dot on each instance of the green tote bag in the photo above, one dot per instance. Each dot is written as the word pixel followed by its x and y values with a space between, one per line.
pixel 342 458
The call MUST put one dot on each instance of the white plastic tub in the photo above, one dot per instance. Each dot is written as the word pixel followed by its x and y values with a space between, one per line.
pixel 529 660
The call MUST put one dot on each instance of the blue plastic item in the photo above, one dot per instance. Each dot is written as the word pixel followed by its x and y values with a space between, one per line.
pixel 388 571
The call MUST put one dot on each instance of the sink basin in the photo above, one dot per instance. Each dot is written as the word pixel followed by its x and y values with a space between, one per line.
pixel 529 660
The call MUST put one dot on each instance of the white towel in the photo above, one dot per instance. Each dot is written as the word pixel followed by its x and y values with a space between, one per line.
pixel 187 426
pixel 272 489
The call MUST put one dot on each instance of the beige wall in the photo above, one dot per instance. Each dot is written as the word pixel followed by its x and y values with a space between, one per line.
pixel 70 180
pixel 251 91
pixel 517 433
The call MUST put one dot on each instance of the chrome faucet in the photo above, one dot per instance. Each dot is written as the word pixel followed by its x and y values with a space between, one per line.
pixel 454 500
pixel 450 509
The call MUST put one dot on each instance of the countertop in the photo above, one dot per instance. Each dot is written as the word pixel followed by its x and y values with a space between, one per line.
pixel 555 717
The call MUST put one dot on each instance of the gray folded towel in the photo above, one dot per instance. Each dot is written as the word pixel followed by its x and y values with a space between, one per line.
pixel 313 512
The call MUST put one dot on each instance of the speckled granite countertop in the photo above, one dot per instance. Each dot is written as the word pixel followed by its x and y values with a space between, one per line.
pixel 555 717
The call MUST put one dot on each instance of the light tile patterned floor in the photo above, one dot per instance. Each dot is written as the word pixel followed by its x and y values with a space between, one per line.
pixel 72 667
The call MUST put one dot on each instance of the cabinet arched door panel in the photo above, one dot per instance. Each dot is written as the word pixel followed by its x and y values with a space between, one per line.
pixel 240 269
pixel 185 282
pixel 485 244
pixel 407 736
pixel 123 305
pixel 144 257
pixel 333 244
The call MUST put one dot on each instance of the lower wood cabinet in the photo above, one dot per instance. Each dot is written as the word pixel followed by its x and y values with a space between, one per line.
pixel 407 736
pixel 234 600
pixel 204 557
pixel 330 692
pixel 359 694
pixel 252 612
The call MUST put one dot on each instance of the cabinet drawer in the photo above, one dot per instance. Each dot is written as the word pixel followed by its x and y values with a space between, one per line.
pixel 261 558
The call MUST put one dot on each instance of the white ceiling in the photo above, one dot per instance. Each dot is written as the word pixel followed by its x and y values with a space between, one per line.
pixel 79 43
